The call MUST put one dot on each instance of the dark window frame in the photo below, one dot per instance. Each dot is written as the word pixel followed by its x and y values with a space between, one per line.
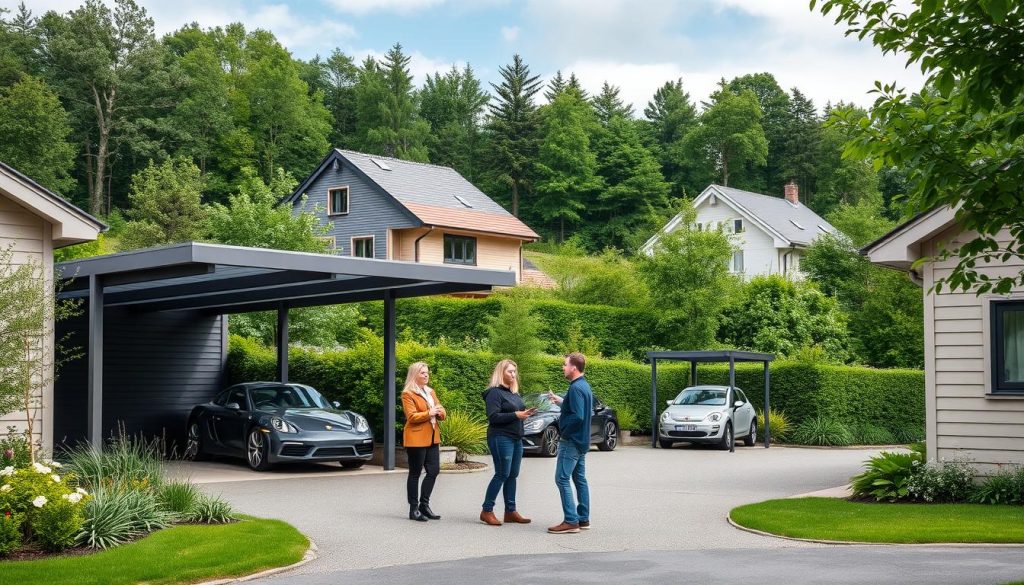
pixel 330 200
pixel 997 349
pixel 454 243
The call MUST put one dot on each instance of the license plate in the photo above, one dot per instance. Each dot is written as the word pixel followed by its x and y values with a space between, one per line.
pixel 686 427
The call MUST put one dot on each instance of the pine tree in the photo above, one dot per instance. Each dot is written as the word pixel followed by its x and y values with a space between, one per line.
pixel 608 104
pixel 513 127
pixel 401 133
pixel 453 105
pixel 802 146
pixel 555 87
pixel 670 116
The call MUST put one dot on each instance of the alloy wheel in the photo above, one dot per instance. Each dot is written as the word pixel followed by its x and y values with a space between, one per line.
pixel 192 443
pixel 255 449
pixel 611 436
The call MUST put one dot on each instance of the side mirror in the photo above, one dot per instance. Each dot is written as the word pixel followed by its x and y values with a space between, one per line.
pixel 668 403
pixel 336 404
pixel 737 404
pixel 232 406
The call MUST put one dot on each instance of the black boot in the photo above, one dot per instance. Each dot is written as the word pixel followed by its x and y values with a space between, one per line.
pixel 414 514
pixel 426 511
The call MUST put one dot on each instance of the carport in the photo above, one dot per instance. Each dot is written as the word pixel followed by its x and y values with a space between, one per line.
pixel 155 338
pixel 730 356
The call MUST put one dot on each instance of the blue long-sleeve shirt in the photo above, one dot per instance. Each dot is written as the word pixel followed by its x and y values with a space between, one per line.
pixel 577 408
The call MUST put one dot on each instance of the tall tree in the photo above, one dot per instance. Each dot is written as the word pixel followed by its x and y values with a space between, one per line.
pixel 513 127
pixel 401 133
pixel 555 87
pixel 671 115
pixel 729 134
pixel 776 120
pixel 608 104
pixel 166 206
pixel 453 104
pixel 336 78
pixel 842 180
pixel 33 134
pixel 803 147
pixel 19 45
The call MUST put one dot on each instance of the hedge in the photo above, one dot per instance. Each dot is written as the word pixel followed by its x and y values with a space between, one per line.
pixel 892 399
pixel 618 331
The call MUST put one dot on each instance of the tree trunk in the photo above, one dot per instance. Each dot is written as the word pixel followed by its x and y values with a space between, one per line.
pixel 104 112
pixel 515 198
pixel 725 172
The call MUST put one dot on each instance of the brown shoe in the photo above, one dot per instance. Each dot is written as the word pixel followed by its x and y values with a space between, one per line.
pixel 584 524
pixel 490 519
pixel 516 518
pixel 564 528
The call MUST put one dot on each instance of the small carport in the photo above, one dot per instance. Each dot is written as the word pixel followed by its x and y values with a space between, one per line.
pixel 730 356
pixel 154 331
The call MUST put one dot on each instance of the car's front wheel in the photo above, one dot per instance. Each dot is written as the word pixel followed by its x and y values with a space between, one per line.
pixel 727 438
pixel 751 437
pixel 665 443
pixel 257 450
pixel 352 464
pixel 549 442
pixel 611 437
pixel 194 442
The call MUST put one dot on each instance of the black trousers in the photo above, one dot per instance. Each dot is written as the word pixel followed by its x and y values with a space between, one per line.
pixel 421 458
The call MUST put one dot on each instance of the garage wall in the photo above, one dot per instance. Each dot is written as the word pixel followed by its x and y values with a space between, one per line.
pixel 156 367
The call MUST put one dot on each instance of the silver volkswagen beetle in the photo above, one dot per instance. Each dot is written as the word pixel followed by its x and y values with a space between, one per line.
pixel 708 414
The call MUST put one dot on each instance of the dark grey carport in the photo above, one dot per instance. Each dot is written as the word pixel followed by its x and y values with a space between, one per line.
pixel 730 356
pixel 212 280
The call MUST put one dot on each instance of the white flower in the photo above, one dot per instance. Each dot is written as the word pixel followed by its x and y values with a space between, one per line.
pixel 6 487
pixel 73 498
pixel 9 470
pixel 81 491
pixel 40 468
pixel 55 477
pixel 39 502
pixel 54 464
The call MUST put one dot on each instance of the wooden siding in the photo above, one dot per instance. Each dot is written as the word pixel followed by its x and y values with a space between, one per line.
pixel 371 212
pixel 491 251
pixel 30 238
pixel 963 419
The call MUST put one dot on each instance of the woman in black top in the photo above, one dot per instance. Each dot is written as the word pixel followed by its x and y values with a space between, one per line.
pixel 505 414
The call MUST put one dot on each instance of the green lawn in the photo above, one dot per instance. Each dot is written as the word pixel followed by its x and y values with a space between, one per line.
pixel 181 554
pixel 836 519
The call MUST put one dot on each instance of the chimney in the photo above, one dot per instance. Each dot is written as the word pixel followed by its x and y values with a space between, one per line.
pixel 792 193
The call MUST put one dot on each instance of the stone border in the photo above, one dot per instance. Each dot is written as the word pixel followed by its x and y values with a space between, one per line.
pixel 477 470
pixel 857 542
pixel 310 555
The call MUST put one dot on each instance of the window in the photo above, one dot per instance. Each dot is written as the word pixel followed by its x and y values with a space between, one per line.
pixel 737 226
pixel 459 250
pixel 337 201
pixel 736 265
pixel 383 165
pixel 1008 347
pixel 362 247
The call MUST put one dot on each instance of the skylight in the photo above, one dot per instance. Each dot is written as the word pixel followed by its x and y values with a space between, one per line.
pixel 383 165
pixel 823 229
pixel 797 224
pixel 463 201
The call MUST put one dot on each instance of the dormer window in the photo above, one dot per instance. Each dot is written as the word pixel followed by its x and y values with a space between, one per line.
pixel 337 201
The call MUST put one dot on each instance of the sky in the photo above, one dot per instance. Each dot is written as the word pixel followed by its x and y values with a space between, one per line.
pixel 636 45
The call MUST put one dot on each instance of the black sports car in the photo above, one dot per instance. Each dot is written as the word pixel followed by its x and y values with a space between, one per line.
pixel 541 429
pixel 271 422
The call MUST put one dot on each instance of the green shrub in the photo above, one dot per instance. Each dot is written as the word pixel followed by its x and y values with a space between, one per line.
pixel 56 524
pixel 905 434
pixel 116 515
pixel 465 431
pixel 780 427
pixel 10 532
pixel 15 450
pixel 886 476
pixel 871 434
pixel 822 431
pixel 212 510
pixel 627 419
pixel 132 462
pixel 1005 487
pixel 179 498
pixel 945 482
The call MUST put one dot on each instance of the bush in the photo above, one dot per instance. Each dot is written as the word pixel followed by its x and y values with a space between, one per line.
pixel 871 434
pixel 467 432
pixel 179 498
pixel 948 481
pixel 908 434
pixel 42 503
pixel 116 515
pixel 56 524
pixel 780 427
pixel 129 462
pixel 212 510
pixel 1005 487
pixel 822 431
pixel 10 532
pixel 886 476
pixel 15 450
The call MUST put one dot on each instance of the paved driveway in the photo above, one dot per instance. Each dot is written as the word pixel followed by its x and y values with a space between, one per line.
pixel 643 500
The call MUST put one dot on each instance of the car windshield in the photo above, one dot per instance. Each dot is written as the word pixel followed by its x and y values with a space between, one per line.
pixel 702 397
pixel 274 397
pixel 542 403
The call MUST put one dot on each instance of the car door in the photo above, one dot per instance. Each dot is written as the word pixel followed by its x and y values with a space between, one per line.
pixel 742 415
pixel 597 420
pixel 230 422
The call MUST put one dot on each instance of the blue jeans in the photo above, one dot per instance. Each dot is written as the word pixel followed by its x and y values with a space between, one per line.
pixel 507 453
pixel 571 463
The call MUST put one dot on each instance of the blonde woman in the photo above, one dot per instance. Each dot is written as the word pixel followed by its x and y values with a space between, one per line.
pixel 505 414
pixel 422 439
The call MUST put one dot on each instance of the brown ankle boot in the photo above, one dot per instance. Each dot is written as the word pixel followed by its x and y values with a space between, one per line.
pixel 516 518
pixel 490 519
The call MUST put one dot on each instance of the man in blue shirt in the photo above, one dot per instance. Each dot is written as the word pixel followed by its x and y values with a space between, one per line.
pixel 574 428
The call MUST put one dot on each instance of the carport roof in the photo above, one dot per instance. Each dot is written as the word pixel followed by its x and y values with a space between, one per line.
pixel 711 356
pixel 232 279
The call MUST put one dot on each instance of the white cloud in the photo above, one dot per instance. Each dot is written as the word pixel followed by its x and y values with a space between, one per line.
pixel 361 7
pixel 510 33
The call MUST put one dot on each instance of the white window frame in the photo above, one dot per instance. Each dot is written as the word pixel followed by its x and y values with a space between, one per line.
pixel 732 262
pixel 373 245
pixel 330 200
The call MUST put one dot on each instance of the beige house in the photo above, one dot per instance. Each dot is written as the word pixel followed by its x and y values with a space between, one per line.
pixel 33 222
pixel 973 347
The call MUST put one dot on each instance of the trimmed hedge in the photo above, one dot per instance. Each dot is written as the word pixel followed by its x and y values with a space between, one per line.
pixel 890 399
pixel 617 330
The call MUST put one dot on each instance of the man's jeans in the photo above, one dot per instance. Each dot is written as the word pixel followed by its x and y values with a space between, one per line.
pixel 507 454
pixel 571 463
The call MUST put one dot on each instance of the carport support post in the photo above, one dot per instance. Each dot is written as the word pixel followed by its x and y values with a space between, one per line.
pixel 732 384
pixel 693 373
pixel 282 343
pixel 654 402
pixel 94 424
pixel 389 380
pixel 767 427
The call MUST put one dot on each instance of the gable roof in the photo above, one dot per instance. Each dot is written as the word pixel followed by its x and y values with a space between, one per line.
pixel 434 195
pixel 70 224
pixel 901 247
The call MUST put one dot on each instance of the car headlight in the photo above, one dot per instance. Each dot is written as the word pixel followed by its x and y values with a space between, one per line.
pixel 282 425
pixel 361 424
pixel 533 425
pixel 714 417
pixel 665 416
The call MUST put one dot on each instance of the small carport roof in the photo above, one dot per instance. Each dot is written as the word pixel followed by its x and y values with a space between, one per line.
pixel 231 279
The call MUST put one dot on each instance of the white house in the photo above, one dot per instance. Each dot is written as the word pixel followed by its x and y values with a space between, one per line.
pixel 34 221
pixel 973 346
pixel 771 233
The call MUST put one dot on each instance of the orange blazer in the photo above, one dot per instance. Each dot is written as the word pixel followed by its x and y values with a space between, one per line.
pixel 418 430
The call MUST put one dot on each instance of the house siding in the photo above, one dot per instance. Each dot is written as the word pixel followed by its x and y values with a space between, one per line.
pixel 30 239
pixel 492 252
pixel 962 421
pixel 760 256
pixel 371 212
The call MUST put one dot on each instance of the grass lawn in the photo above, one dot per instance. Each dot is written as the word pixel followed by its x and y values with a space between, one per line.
pixel 180 554
pixel 836 519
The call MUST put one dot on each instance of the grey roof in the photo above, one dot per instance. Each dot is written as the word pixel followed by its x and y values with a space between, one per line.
pixel 776 212
pixel 721 355
pixel 59 200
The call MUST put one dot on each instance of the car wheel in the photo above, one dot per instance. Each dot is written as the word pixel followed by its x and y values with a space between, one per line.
pixel 355 464
pixel 194 442
pixel 727 438
pixel 665 443
pixel 257 450
pixel 611 437
pixel 751 437
pixel 549 442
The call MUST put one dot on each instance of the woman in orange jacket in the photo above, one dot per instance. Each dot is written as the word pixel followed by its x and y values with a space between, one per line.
pixel 422 439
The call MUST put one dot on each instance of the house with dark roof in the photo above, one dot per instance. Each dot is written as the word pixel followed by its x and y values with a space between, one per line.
pixel 391 209
pixel 770 233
